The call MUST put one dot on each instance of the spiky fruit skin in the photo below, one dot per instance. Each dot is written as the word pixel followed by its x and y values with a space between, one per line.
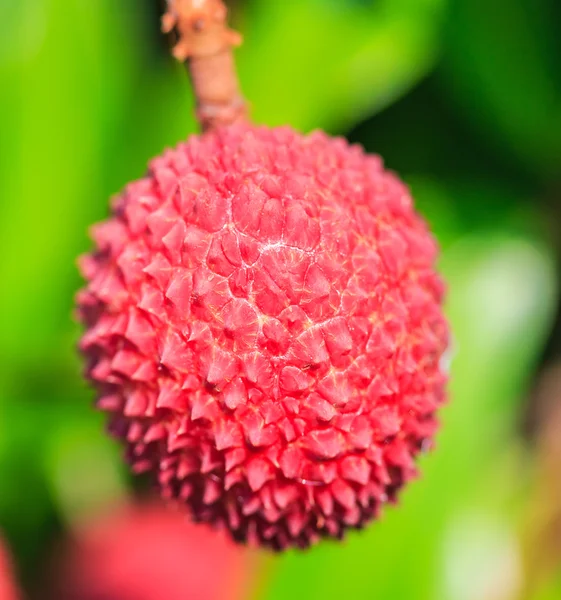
pixel 264 325
pixel 147 553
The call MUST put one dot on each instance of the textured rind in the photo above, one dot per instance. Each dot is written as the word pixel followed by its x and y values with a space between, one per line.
pixel 264 324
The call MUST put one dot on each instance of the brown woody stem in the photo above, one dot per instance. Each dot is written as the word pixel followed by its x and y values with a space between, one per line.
pixel 205 43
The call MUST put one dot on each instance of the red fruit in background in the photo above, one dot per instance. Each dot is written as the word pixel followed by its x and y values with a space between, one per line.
pixel 264 325
pixel 8 589
pixel 148 553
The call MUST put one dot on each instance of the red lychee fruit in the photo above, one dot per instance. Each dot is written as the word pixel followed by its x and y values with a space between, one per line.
pixel 264 324
pixel 148 553
pixel 8 590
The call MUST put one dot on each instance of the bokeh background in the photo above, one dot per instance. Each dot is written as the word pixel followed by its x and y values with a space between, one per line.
pixel 463 99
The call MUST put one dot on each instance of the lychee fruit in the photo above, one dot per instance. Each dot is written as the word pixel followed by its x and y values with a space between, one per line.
pixel 264 325
pixel 147 553
pixel 8 589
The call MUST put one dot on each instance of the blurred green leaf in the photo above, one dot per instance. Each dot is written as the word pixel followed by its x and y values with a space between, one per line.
pixel 84 469
pixel 50 173
pixel 318 63
pixel 422 133
pixel 22 29
pixel 502 59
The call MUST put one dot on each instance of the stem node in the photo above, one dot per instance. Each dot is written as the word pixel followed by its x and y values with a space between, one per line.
pixel 205 43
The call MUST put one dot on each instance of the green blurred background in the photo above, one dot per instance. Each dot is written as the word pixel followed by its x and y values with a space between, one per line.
pixel 463 99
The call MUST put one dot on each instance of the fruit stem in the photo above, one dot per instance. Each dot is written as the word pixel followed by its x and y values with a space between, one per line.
pixel 205 43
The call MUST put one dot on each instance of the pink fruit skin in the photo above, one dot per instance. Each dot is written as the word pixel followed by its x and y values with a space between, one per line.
pixel 264 325
pixel 8 590
pixel 148 553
